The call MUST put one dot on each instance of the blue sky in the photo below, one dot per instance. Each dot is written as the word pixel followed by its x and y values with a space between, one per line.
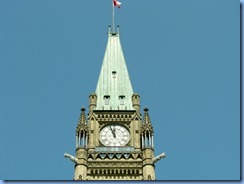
pixel 183 58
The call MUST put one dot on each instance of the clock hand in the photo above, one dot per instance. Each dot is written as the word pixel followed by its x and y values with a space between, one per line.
pixel 112 130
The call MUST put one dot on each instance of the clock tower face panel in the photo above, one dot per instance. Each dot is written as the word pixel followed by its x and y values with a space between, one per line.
pixel 114 135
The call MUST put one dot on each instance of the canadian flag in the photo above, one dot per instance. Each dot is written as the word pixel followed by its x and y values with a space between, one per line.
pixel 117 3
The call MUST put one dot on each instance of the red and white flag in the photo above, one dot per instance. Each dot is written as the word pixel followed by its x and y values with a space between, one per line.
pixel 117 3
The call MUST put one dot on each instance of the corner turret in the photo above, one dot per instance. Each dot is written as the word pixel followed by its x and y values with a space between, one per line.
pixel 136 102
pixel 92 101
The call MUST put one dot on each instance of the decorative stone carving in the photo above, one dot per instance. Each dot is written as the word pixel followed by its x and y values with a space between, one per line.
pixel 159 157
pixel 94 155
pixel 72 158
pixel 134 155
pixel 149 177
pixel 115 164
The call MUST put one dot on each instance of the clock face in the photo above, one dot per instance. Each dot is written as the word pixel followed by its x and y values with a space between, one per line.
pixel 114 135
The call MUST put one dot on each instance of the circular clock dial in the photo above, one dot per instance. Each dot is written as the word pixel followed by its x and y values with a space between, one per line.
pixel 114 135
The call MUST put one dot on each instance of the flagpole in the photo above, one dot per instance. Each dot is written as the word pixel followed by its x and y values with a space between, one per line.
pixel 113 17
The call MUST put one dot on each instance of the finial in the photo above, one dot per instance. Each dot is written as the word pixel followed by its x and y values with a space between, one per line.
pixel 93 94
pixel 146 109
pixel 135 94
pixel 109 29
pixel 83 108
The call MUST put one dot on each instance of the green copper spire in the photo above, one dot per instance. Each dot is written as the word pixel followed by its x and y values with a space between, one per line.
pixel 114 90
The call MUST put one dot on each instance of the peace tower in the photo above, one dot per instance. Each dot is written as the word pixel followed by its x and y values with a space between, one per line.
pixel 114 142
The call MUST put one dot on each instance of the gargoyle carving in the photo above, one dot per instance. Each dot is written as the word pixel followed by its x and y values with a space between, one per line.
pixel 72 158
pixel 157 158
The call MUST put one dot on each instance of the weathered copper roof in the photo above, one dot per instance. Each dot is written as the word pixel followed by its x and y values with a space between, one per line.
pixel 114 89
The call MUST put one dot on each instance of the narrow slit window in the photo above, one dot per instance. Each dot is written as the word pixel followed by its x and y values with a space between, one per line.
pixel 114 74
pixel 122 99
pixel 106 99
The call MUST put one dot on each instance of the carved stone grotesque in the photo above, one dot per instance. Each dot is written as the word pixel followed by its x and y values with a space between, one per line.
pixel 157 158
pixel 72 158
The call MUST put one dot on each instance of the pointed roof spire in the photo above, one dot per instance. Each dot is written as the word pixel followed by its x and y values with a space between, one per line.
pixel 82 125
pixel 146 118
pixel 147 124
pixel 82 119
pixel 114 89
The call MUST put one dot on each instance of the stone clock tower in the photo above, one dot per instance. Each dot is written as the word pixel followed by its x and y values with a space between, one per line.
pixel 114 141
